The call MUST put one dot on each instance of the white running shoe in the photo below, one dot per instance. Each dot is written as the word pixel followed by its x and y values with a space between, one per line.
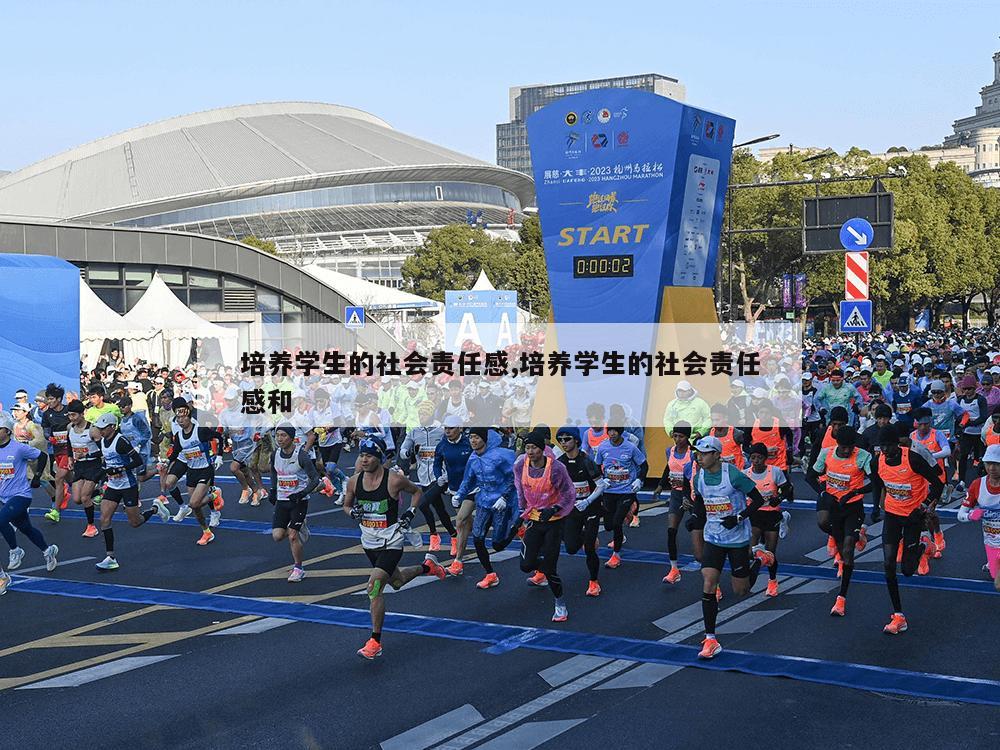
pixel 414 539
pixel 304 532
pixel 786 521
pixel 214 518
pixel 561 614
pixel 50 557
pixel 296 575
pixel 108 563
pixel 4 582
pixel 16 555
pixel 161 510
pixel 339 500
pixel 183 513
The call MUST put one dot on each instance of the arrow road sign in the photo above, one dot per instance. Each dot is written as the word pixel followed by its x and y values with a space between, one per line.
pixel 856 234
pixel 354 317
pixel 856 316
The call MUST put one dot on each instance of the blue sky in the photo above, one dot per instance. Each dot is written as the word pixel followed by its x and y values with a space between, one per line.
pixel 874 74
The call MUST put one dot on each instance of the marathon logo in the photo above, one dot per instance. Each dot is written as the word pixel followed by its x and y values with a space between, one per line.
pixel 624 234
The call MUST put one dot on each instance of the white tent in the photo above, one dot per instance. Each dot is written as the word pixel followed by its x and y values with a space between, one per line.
pixel 98 323
pixel 159 307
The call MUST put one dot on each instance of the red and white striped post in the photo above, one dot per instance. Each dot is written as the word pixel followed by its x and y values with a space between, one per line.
pixel 855 276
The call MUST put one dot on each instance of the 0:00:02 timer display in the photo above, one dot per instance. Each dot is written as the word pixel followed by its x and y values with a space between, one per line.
pixel 602 266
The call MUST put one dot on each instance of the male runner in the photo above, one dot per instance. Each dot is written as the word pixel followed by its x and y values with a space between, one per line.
pixel 940 449
pixel 420 445
pixel 293 477
pixel 239 429
pixel 625 468
pixel 774 486
pixel 191 449
pixel 451 456
pixel 85 463
pixel 581 527
pixel 677 476
pixel 55 426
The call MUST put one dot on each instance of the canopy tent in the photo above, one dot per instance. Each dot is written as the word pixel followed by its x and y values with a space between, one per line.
pixel 98 323
pixel 179 325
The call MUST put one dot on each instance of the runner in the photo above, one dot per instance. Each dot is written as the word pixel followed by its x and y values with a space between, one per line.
pixel 546 496
pixel 983 504
pixel 625 468
pixel 721 492
pixel 15 497
pixel 293 477
pixel 581 527
pixel 940 449
pixel 911 487
pixel 451 456
pixel 774 486
pixel 330 442
pixel 840 510
pixel 372 499
pixel 85 463
pixel 421 444
pixel 969 444
pixel 55 426
pixel 191 450
pixel 134 427
pixel 490 468
pixel 677 477
pixel 239 429
pixel 120 461
pixel 29 432
pixel 732 439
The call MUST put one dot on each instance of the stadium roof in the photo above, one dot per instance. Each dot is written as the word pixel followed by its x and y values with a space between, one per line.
pixel 233 152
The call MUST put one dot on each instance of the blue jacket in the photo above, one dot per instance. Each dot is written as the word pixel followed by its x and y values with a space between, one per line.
pixel 492 472
pixel 453 458
pixel 135 429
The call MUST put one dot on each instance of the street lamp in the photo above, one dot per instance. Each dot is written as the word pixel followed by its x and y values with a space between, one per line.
pixel 762 139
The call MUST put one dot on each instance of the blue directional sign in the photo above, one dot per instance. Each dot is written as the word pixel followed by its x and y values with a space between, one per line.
pixel 354 317
pixel 856 316
pixel 856 234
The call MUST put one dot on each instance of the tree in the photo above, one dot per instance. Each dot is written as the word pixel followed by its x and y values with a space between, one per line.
pixel 265 246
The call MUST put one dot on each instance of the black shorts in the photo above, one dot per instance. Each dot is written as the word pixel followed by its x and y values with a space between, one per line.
pixel 901 528
pixel 200 476
pixel 177 468
pixel 330 453
pixel 129 496
pixel 715 557
pixel 766 520
pixel 88 471
pixel 676 503
pixel 846 520
pixel 289 514
pixel 385 559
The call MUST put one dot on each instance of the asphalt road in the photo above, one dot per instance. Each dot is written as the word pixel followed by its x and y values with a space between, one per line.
pixel 95 660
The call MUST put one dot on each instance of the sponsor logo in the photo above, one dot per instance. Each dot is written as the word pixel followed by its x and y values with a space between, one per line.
pixel 603 203
pixel 710 129
pixel 571 139
pixel 696 127
pixel 571 118
pixel 603 115
pixel 588 117
pixel 624 234
pixel 622 138
pixel 622 113
pixel 719 130
pixel 599 140
pixel 574 145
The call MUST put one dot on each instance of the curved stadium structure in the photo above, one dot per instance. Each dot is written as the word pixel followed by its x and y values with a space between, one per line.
pixel 324 182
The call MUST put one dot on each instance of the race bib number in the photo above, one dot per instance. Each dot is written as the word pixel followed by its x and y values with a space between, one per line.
pixel 192 454
pixel 80 453
pixel 903 407
pixel 6 470
pixel 719 508
pixel 618 476
pixel 582 489
pixel 60 437
pixel 677 480
pixel 837 481
pixel 288 485
pixel 772 451
pixel 425 454
pixel 898 490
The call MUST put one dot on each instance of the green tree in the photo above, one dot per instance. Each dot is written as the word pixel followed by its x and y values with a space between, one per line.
pixel 265 246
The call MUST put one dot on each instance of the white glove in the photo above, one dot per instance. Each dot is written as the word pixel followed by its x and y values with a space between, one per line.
pixel 500 505
pixel 963 513
pixel 636 485
pixel 403 453
pixel 218 462
pixel 456 501
pixel 442 480
pixel 582 503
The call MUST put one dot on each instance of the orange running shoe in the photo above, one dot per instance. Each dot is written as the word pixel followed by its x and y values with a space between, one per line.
pixel 520 532
pixel 593 589
pixel 538 579
pixel 456 568
pixel 371 649
pixel 65 497
pixel 840 569
pixel 924 566
pixel 207 537
pixel 244 497
pixel 772 587
pixel 673 576
pixel 831 546
pixel 434 568
pixel 327 488
pixel 896 625
pixel 489 581
pixel 839 607
pixel 614 561
pixel 718 593
pixel 91 531
pixel 899 553
pixel 939 543
pixel 710 648
pixel 435 544
pixel 766 557
pixel 454 546
pixel 218 503
pixel 862 542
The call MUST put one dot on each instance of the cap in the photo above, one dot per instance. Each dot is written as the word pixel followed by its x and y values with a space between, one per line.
pixel 759 393
pixel 897 363
pixel 413 384
pixel 571 430
pixel 107 419
pixel 179 403
pixel 18 407
pixel 373 446
pixel 708 444
pixel 968 382
pixel 6 421
pixel 481 432
pixel 904 379
pixel 134 386
pixel 737 383
pixel 991 456
pixel 158 380
pixel 536 438
pixel 807 376
pixel 451 421
pixel 937 385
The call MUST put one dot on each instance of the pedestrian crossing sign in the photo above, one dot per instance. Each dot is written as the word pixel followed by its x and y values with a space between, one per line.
pixel 354 317
pixel 856 316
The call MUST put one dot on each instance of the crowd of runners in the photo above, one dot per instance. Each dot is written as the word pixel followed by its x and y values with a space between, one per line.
pixel 908 421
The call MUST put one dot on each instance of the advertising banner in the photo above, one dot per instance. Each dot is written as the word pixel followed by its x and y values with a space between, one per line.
pixel 485 318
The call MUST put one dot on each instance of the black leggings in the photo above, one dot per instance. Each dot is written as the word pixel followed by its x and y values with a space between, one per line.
pixel 580 530
pixel 540 551
pixel 433 500
pixel 616 507
pixel 894 529
pixel 967 444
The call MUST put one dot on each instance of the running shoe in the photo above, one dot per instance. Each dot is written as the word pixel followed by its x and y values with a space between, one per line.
pixel 339 500
pixel 296 575
pixel 520 532
pixel 489 581
pixel 765 556
pixel 831 546
pixel 16 555
pixel 52 515
pixel 634 523
pixel 786 522
pixel 435 543
pixel 244 497
pixel 108 563
pixel 218 501
pixel 434 568
pixel 538 579
pixel 839 607
pixel 454 546
pixel 4 582
pixel 959 492
pixel 862 542
pixel 673 576
pixel 263 494
pixel 899 553
pixel 414 539
pixel 772 587
pixel 924 566
pixel 840 569
pixel 896 625
pixel 91 531
pixel 561 614
pixel 207 537
pixel 614 561
pixel 371 649
pixel 161 510
pixel 214 518
pixel 304 532
pixel 710 648
pixel 939 545
pixel 50 557
pixel 327 488
pixel 718 593
pixel 184 512
pixel 255 498
pixel 456 568
pixel 65 497
pixel 593 589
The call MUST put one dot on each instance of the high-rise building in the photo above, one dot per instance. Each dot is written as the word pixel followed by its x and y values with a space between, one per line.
pixel 512 138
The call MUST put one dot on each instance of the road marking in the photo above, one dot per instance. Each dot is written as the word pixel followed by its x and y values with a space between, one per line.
pixel 818 586
pixel 570 669
pixel 324 512
pixel 92 674
pixel 62 563
pixel 752 621
pixel 530 735
pixel 256 626
pixel 439 728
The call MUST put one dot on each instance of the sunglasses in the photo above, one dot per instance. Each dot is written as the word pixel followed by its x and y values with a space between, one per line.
pixel 566 438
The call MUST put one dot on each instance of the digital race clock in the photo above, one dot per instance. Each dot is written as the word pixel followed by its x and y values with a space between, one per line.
pixel 603 266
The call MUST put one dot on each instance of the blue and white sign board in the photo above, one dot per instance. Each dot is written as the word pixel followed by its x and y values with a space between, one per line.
pixel 487 318
pixel 856 316
pixel 856 234
pixel 354 317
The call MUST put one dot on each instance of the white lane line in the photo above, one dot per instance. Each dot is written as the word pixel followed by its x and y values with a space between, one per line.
pixel 257 626
pixel 530 735
pixel 62 563
pixel 570 669
pixel 324 512
pixel 92 674
pixel 752 621
pixel 439 728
